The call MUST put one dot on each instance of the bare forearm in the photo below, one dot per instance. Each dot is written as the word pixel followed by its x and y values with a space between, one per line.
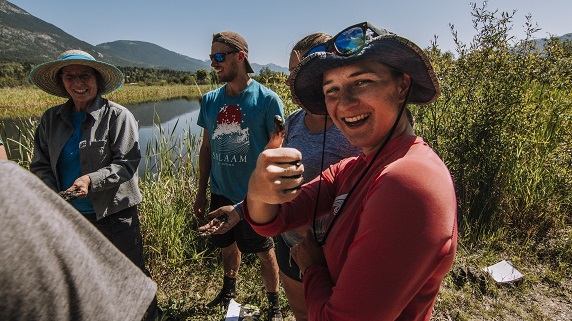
pixel 204 168
pixel 259 211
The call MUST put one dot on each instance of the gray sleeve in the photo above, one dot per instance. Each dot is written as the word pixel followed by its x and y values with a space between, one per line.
pixel 55 265
pixel 124 135
pixel 41 164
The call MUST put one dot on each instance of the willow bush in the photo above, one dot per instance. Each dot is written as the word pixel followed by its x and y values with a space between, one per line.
pixel 502 125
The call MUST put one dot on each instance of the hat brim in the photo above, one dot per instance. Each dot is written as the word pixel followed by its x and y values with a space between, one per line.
pixel 392 50
pixel 45 75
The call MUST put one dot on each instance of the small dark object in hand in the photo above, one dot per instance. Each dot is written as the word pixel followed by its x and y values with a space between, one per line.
pixel 220 221
pixel 278 124
pixel 223 218
pixel 288 190
pixel 69 195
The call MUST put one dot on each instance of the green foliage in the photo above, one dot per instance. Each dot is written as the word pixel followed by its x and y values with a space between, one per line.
pixel 277 82
pixel 502 125
pixel 213 77
pixel 150 76
pixel 19 147
pixel 168 185
pixel 13 74
pixel 202 76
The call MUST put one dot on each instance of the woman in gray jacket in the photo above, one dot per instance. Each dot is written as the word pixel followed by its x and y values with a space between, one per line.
pixel 87 149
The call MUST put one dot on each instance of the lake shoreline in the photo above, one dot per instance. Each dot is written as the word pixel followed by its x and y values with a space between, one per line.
pixel 24 102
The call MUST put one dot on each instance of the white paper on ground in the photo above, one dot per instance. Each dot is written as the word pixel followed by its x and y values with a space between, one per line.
pixel 504 272
pixel 233 312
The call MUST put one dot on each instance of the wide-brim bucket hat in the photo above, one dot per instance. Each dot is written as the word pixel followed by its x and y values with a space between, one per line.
pixel 44 76
pixel 390 49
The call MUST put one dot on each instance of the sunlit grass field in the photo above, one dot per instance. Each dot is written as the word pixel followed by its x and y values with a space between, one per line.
pixel 30 101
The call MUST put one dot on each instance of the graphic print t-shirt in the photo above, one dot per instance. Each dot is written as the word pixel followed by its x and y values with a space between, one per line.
pixel 239 128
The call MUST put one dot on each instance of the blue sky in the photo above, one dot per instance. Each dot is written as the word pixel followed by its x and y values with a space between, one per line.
pixel 272 27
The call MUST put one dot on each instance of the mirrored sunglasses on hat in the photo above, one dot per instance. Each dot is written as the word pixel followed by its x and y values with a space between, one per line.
pixel 350 40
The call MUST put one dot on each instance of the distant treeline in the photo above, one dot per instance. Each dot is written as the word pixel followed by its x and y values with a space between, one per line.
pixel 15 74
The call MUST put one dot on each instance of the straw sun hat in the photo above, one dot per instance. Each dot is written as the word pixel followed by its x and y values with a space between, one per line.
pixel 45 75
pixel 391 49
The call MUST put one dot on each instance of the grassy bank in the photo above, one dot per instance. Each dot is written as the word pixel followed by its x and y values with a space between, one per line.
pixel 27 102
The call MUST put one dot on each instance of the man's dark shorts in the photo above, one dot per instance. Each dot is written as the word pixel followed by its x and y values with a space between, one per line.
pixel 247 240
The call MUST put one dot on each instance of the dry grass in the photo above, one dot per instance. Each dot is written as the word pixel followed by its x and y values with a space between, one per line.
pixel 25 102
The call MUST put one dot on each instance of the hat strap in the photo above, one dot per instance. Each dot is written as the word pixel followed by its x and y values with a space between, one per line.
pixel 387 139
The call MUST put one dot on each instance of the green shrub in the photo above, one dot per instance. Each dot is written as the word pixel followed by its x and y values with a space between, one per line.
pixel 502 125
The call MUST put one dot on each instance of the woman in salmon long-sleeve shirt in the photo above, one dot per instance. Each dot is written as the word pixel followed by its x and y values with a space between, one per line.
pixel 392 236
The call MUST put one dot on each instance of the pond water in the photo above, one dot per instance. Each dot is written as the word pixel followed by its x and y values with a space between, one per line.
pixel 176 117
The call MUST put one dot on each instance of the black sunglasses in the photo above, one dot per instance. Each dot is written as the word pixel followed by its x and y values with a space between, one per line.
pixel 221 56
pixel 350 40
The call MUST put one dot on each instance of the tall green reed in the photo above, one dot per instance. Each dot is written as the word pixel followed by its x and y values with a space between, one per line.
pixel 20 147
pixel 169 188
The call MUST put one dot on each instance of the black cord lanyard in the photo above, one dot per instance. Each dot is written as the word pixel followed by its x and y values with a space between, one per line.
pixel 320 181
pixel 336 215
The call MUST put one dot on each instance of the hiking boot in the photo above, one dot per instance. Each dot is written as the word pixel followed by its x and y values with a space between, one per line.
pixel 227 293
pixel 274 314
pixel 223 298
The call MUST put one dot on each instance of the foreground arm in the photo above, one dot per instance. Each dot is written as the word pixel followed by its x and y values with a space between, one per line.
pixel 66 269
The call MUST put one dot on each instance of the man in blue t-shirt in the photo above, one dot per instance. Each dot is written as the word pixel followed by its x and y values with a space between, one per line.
pixel 237 120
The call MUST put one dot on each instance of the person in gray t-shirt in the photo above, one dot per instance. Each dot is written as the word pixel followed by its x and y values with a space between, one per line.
pixel 55 265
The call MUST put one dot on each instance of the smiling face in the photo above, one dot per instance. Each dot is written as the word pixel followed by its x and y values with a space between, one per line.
pixel 227 70
pixel 80 83
pixel 364 100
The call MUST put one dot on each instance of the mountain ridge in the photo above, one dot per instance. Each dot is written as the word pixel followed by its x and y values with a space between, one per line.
pixel 26 38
